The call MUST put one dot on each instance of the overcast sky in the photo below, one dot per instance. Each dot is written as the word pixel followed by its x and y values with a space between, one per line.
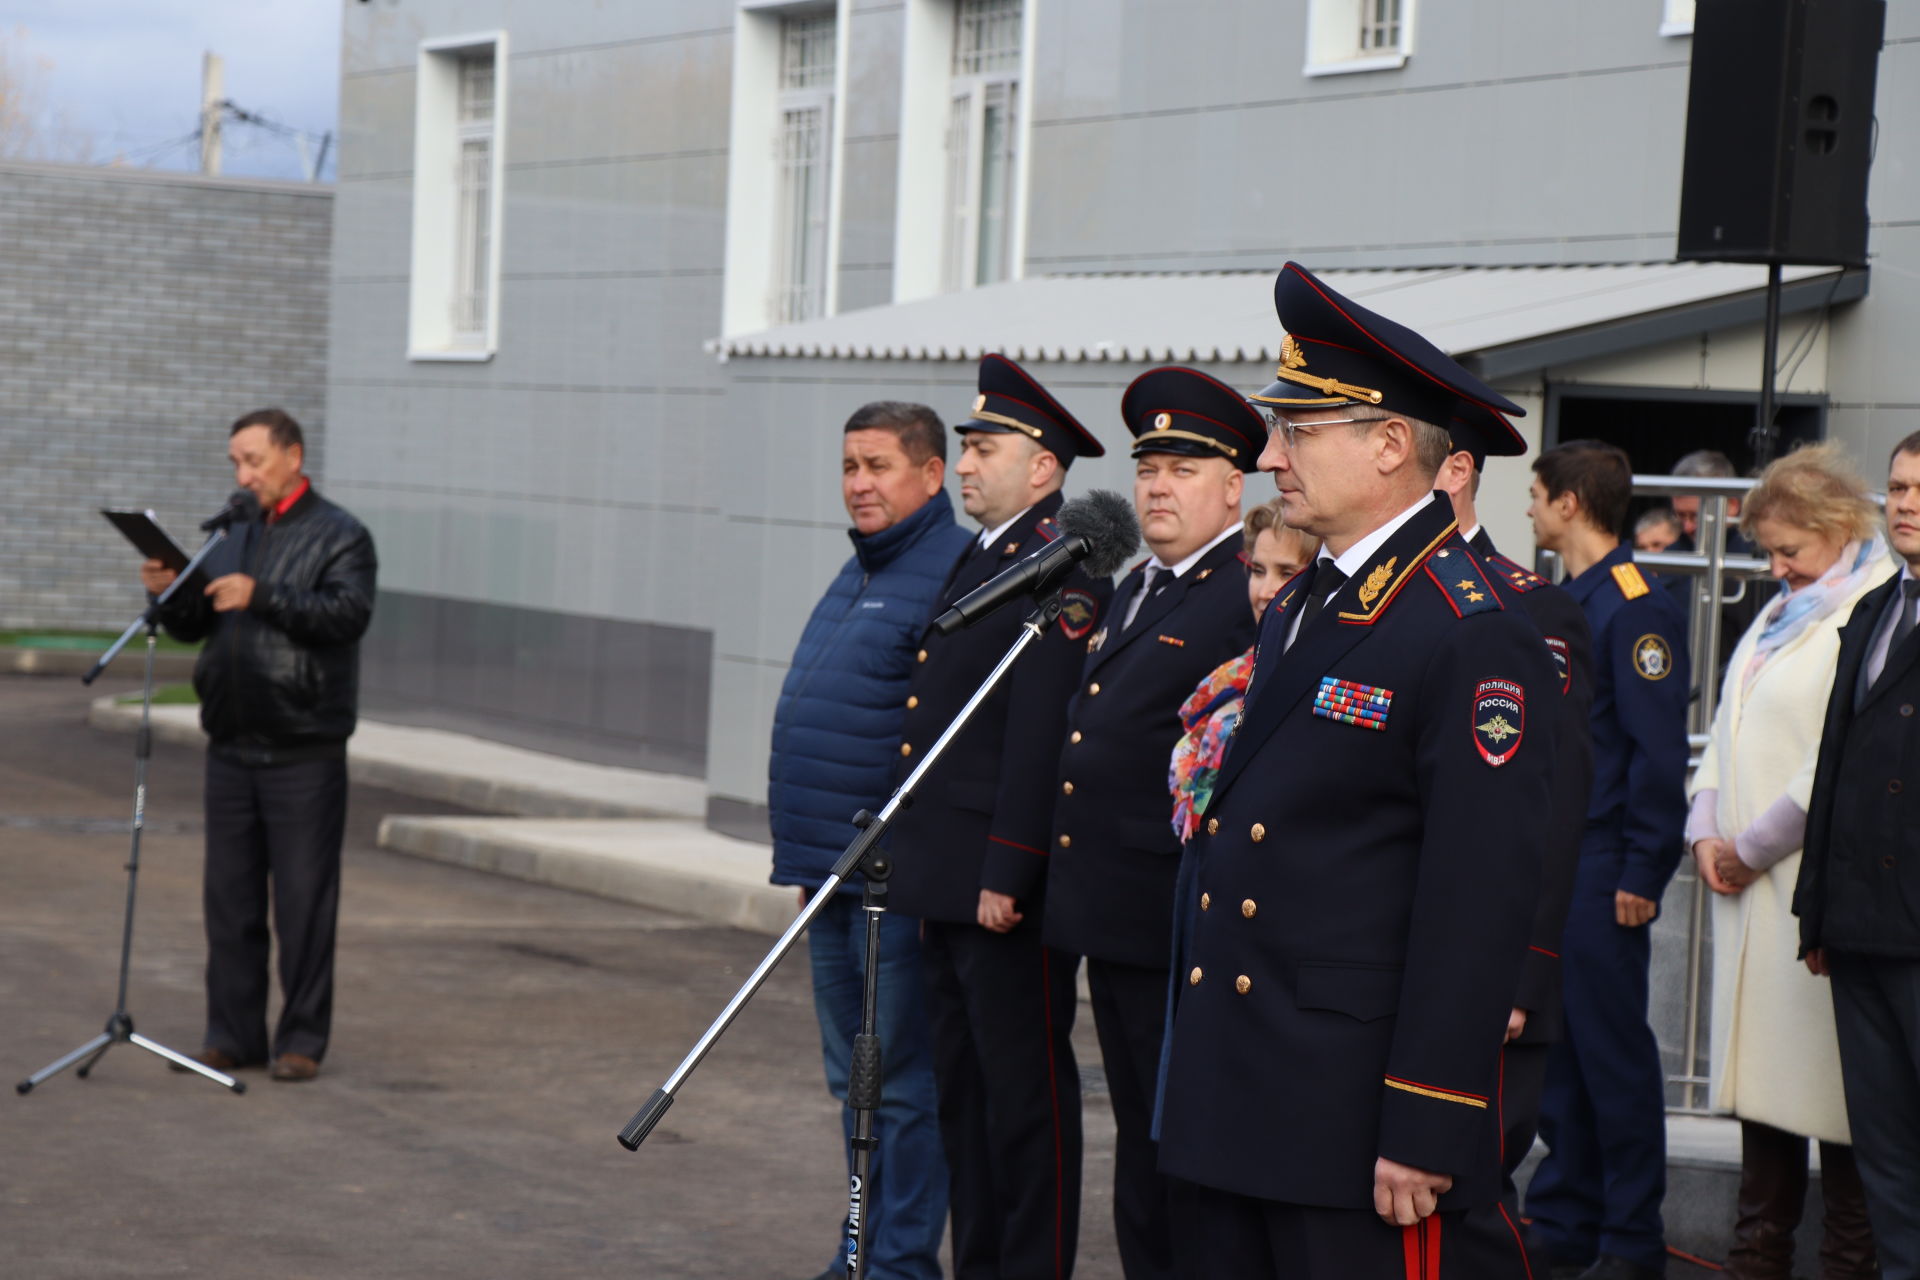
pixel 125 74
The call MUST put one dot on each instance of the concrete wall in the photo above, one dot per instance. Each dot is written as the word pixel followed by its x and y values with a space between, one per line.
pixel 140 314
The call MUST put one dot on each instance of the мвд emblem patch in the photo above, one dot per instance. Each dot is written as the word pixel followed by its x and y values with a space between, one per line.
pixel 1652 658
pixel 1499 720
pixel 1562 661
pixel 1078 610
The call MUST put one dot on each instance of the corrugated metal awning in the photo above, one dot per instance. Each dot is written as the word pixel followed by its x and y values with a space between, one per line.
pixel 1499 320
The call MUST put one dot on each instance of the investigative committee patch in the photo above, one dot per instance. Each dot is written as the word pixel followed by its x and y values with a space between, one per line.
pixel 1499 720
pixel 1078 610
pixel 1364 705
pixel 1652 658
pixel 1562 661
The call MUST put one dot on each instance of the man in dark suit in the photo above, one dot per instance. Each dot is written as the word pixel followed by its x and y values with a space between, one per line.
pixel 970 853
pixel 1366 875
pixel 1534 1024
pixel 1858 896
pixel 1110 883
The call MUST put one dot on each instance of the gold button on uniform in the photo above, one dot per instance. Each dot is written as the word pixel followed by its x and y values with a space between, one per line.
pixel 1075 739
pixel 1213 826
pixel 1206 900
pixel 1243 984
pixel 1066 841
pixel 923 655
pixel 913 701
pixel 1249 908
pixel 1193 979
pixel 1066 788
pixel 906 748
pixel 1094 687
pixel 1259 833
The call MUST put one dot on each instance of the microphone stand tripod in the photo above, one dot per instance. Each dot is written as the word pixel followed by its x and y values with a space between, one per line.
pixel 864 1075
pixel 120 1023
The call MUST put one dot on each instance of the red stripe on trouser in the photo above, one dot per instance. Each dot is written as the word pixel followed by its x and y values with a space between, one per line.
pixel 1410 1247
pixel 1526 1263
pixel 1432 1225
pixel 1053 1095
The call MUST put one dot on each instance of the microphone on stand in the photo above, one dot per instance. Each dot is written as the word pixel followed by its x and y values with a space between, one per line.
pixel 1099 530
pixel 241 507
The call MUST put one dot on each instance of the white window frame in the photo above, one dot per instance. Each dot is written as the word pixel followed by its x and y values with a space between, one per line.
pixel 435 268
pixel 925 207
pixel 791 296
pixel 1676 17
pixel 755 279
pixel 1333 39
pixel 969 95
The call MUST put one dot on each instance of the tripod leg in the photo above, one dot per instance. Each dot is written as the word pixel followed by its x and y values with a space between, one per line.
pixel 96 1047
pixel 182 1060
pixel 100 1053
pixel 865 1074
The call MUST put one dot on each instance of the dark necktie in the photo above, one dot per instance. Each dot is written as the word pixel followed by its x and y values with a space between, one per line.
pixel 1152 583
pixel 1904 624
pixel 1327 579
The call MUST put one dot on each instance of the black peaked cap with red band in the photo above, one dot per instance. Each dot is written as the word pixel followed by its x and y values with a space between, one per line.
pixel 1184 411
pixel 1336 352
pixel 1012 402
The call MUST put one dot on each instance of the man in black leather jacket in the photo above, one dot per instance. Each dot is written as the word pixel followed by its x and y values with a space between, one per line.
pixel 288 598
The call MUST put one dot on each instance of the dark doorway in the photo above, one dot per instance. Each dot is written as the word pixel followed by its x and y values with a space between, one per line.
pixel 1658 426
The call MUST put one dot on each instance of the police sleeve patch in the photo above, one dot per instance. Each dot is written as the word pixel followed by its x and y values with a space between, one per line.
pixel 1562 661
pixel 1499 720
pixel 1078 612
pixel 1652 658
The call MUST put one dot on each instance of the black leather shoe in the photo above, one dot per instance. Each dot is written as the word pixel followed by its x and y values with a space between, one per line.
pixel 1613 1267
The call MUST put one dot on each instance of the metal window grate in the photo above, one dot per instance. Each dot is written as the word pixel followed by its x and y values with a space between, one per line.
pixel 1379 26
pixel 800 288
pixel 806 51
pixel 476 89
pixel 986 37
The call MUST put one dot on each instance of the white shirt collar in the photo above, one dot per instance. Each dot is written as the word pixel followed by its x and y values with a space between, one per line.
pixel 1468 535
pixel 990 536
pixel 1357 555
pixel 1180 569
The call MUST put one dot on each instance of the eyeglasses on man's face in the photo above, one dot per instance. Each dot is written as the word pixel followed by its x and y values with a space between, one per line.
pixel 1291 431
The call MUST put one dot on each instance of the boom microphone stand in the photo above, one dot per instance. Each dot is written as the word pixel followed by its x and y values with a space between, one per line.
pixel 120 1024
pixel 863 855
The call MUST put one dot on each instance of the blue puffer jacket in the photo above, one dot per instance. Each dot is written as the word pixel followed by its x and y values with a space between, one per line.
pixel 836 730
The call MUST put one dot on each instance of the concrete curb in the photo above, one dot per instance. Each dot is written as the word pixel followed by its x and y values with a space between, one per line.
pixel 671 866
pixel 466 771
pixel 168 665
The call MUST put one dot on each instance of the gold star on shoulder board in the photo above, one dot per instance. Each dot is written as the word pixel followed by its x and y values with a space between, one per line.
pixel 1466 584
pixel 1474 597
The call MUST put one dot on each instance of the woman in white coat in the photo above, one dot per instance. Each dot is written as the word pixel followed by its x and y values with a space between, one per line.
pixel 1775 1063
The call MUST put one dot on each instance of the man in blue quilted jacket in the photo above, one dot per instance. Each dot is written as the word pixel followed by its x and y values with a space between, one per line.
pixel 836 739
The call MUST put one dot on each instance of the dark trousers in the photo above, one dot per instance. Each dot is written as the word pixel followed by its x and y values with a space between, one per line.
pixel 1523 1073
pixel 1603 1109
pixel 1130 1014
pixel 1876 1010
pixel 1218 1235
pixel 1001 1007
pixel 278 826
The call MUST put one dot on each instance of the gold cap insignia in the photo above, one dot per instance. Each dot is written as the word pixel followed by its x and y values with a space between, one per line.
pixel 1291 356
pixel 1161 421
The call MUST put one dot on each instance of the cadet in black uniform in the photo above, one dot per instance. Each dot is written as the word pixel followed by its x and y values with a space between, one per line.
pixel 1596 1198
pixel 1535 1022
pixel 1368 867
pixel 970 854
pixel 1110 886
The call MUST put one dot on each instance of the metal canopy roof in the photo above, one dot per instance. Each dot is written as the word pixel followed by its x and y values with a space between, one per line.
pixel 1497 320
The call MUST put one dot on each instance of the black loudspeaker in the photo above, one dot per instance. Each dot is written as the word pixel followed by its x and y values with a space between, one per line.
pixel 1780 131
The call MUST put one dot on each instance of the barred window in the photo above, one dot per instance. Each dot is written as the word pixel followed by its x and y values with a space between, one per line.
pixel 982 129
pixel 986 37
pixel 802 153
pixel 473 182
pixel 806 51
pixel 1379 26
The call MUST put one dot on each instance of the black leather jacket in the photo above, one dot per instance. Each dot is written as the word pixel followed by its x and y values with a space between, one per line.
pixel 280 681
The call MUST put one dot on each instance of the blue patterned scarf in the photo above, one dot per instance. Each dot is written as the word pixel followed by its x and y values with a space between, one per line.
pixel 1792 612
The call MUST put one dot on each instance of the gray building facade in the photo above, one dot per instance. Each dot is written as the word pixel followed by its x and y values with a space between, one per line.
pixel 140 314
pixel 716 226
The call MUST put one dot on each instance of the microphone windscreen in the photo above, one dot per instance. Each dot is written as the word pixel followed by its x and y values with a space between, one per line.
pixel 1106 520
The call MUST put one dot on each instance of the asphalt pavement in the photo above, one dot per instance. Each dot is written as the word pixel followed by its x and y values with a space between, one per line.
pixel 490 1037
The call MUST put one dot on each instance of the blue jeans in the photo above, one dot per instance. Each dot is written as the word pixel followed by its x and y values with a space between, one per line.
pixel 907 1182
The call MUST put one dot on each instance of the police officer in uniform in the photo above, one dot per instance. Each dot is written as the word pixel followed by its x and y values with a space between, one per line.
pixel 1536 1018
pixel 1368 865
pixel 1595 1200
pixel 970 853
pixel 1173 620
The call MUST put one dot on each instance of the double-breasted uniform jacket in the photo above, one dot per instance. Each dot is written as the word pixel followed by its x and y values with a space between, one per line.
pixel 982 817
pixel 1367 875
pixel 1110 885
pixel 1859 886
pixel 1563 625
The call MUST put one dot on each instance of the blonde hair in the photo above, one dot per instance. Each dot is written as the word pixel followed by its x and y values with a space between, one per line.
pixel 1266 518
pixel 1817 488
